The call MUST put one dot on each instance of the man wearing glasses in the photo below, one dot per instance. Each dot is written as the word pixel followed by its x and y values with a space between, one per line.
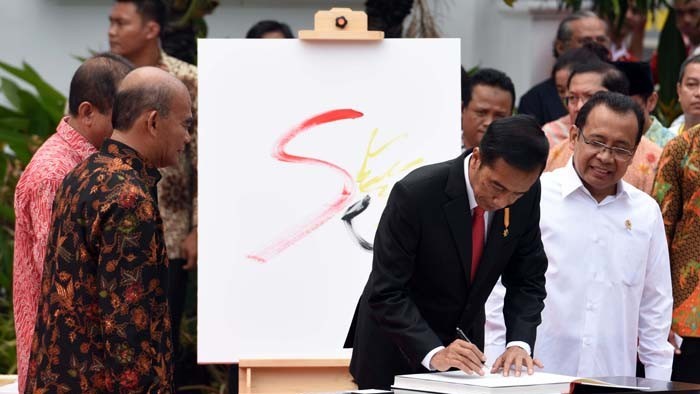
pixel 609 294
pixel 586 80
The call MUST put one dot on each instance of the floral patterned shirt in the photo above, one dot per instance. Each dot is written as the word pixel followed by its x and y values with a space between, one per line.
pixel 103 322
pixel 557 130
pixel 33 199
pixel 658 134
pixel 177 190
pixel 677 189
pixel 640 172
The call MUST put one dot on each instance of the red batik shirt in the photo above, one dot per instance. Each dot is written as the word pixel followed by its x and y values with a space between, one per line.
pixel 33 199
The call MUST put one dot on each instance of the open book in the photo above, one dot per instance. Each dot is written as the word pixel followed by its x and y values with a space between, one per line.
pixel 458 382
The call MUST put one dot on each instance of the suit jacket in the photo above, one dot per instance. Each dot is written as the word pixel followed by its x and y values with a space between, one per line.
pixel 543 102
pixel 420 290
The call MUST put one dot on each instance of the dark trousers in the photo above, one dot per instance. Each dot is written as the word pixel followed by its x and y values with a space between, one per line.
pixel 177 291
pixel 686 366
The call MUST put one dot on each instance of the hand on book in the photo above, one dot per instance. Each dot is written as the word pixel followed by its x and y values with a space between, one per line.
pixel 515 357
pixel 460 354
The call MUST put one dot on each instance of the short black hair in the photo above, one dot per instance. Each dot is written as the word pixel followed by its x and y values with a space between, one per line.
pixel 613 79
pixel 590 52
pixel 151 10
pixel 267 26
pixel 639 76
pixel 517 139
pixel 692 59
pixel 488 77
pixel 130 103
pixel 96 81
pixel 620 104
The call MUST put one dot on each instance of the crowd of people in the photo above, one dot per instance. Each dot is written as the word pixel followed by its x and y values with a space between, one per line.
pixel 574 224
pixel 596 260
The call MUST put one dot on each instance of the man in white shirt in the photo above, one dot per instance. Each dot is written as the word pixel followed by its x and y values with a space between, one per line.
pixel 609 294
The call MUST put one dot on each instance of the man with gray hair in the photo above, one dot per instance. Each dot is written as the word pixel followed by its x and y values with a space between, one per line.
pixel 103 322
pixel 543 101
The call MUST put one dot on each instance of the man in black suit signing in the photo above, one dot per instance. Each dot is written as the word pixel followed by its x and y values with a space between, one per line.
pixel 449 230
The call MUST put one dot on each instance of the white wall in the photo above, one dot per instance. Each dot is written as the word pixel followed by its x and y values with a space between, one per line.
pixel 48 33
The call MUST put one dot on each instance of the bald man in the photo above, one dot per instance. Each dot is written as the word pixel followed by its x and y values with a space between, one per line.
pixel 103 322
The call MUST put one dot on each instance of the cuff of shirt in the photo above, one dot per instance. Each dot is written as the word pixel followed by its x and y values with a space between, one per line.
pixel 659 373
pixel 521 344
pixel 429 356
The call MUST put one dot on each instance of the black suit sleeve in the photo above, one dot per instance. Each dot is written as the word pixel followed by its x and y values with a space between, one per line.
pixel 525 281
pixel 391 306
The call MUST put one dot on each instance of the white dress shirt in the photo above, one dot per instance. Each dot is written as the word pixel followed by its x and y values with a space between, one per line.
pixel 487 222
pixel 609 291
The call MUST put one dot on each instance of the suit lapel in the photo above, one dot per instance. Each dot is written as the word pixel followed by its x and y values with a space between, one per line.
pixel 458 214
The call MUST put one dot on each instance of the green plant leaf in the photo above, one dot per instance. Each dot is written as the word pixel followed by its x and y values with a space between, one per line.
pixel 9 112
pixel 14 123
pixel 671 53
pixel 18 142
pixel 51 96
pixel 11 92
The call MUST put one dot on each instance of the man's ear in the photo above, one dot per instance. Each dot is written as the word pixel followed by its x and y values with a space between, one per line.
pixel 559 47
pixel 86 112
pixel 573 135
pixel 476 157
pixel 152 30
pixel 152 122
pixel 651 102
pixel 678 91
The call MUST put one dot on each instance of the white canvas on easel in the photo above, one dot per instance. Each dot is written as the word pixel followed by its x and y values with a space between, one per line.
pixel 279 271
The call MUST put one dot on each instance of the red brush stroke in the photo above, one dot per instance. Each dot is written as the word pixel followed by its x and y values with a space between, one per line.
pixel 297 233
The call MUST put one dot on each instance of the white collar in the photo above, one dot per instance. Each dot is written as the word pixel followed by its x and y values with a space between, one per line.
pixel 470 190
pixel 571 181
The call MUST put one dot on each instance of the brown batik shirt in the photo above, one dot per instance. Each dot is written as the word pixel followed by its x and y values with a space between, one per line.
pixel 103 323
pixel 177 190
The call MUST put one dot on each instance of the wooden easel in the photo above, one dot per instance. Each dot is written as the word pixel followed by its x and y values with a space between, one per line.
pixel 262 376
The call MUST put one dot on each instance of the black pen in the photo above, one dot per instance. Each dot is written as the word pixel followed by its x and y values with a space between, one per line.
pixel 463 337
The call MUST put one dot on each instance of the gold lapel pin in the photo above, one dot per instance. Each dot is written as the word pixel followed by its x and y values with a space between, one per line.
pixel 506 221
pixel 628 225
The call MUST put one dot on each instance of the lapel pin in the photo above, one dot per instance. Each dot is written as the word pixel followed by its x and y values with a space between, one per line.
pixel 506 222
pixel 628 225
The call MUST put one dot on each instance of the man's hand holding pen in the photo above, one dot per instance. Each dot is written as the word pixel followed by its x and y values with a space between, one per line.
pixel 461 354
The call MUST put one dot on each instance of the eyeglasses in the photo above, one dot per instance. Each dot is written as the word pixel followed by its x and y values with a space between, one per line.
pixel 619 154
pixel 572 100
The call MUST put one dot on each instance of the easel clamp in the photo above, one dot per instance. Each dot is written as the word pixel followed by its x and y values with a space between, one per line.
pixel 340 24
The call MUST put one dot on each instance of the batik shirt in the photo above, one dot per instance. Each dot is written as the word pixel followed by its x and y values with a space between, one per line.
pixel 557 130
pixel 658 134
pixel 103 322
pixel 177 190
pixel 677 189
pixel 33 199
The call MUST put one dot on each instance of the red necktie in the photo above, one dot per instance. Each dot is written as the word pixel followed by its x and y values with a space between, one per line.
pixel 477 238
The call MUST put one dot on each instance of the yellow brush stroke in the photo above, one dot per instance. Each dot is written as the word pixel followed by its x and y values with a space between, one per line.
pixel 368 183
